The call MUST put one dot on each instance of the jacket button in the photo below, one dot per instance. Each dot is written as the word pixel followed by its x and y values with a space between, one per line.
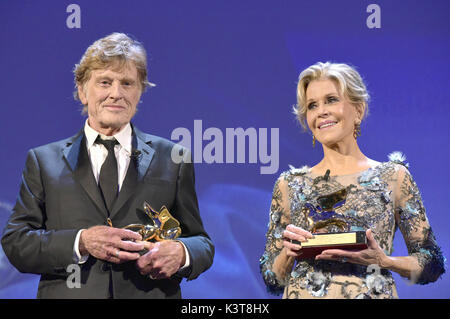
pixel 106 267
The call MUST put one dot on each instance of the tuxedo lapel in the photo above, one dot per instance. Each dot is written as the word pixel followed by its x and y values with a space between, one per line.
pixel 77 158
pixel 142 155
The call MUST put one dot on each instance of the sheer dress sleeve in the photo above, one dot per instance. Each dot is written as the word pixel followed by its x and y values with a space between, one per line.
pixel 276 274
pixel 413 223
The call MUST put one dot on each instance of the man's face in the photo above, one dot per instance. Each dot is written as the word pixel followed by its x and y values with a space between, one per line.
pixel 111 96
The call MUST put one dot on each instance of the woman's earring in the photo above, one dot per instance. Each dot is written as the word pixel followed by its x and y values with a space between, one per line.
pixel 357 131
pixel 314 141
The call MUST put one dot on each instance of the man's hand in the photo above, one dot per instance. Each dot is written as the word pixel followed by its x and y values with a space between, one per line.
pixel 111 244
pixel 162 260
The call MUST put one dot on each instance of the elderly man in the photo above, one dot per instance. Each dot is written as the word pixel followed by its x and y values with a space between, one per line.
pixel 78 194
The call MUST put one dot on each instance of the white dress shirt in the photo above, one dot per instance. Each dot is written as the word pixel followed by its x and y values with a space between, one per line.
pixel 97 154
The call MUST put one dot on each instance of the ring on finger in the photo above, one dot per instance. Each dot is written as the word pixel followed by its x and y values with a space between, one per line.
pixel 117 253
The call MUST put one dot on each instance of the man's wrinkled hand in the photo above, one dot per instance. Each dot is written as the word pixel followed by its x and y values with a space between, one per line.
pixel 162 260
pixel 110 244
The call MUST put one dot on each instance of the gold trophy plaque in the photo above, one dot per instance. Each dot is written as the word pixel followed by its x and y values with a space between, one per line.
pixel 330 229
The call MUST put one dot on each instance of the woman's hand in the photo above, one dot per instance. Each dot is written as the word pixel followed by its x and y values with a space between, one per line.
pixel 294 233
pixel 372 255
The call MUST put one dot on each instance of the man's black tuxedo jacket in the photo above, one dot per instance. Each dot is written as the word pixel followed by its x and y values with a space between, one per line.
pixel 59 196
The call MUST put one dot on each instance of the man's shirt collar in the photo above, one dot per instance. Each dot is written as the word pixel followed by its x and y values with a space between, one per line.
pixel 123 137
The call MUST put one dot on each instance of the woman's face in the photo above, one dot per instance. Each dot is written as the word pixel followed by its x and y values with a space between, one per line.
pixel 330 116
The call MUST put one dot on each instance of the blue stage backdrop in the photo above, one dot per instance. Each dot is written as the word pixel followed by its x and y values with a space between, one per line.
pixel 234 64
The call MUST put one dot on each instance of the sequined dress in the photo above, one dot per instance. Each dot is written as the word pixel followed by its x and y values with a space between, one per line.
pixel 383 198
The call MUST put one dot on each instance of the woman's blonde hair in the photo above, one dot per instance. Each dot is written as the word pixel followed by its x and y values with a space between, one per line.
pixel 349 81
pixel 116 48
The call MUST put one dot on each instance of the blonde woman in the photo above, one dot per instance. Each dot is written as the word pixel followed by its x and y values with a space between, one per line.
pixel 332 101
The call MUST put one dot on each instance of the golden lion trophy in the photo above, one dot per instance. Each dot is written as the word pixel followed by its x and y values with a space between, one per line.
pixel 162 225
pixel 330 229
